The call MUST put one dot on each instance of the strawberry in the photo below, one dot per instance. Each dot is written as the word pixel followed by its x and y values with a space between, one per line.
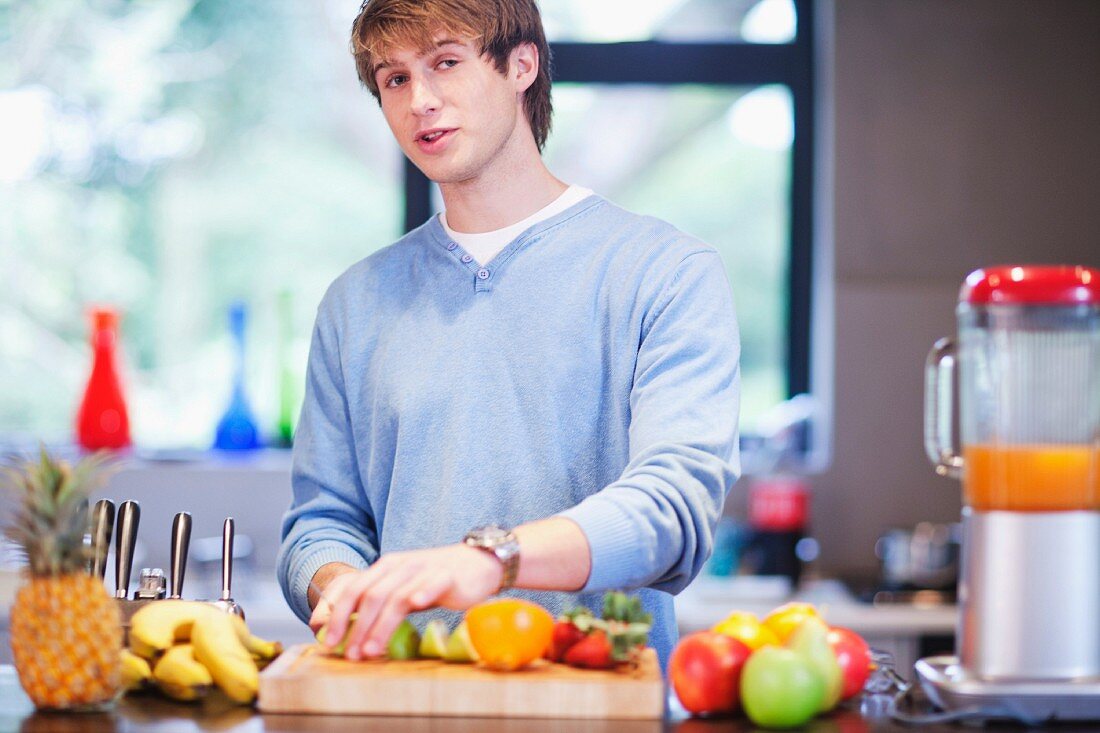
pixel 591 652
pixel 565 635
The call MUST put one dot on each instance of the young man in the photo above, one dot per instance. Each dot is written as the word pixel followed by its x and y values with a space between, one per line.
pixel 534 358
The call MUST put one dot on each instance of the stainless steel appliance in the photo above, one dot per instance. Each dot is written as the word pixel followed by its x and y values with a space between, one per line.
pixel 1027 360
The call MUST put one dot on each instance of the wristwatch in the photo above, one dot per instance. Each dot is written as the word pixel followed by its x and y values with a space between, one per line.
pixel 502 544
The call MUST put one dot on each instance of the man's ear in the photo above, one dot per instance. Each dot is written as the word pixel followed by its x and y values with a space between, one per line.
pixel 524 66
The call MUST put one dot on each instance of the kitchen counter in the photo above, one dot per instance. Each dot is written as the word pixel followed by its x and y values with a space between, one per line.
pixel 155 714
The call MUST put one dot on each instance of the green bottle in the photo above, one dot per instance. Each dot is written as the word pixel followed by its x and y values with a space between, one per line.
pixel 288 385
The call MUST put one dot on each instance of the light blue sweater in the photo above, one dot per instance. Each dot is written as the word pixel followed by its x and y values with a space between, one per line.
pixel 590 370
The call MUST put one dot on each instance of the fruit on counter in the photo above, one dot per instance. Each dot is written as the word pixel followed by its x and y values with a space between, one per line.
pixel 705 671
pixel 341 648
pixel 262 650
pixel 810 640
pixel 509 633
pixel 459 647
pixel 65 628
pixel 180 676
pixel 785 619
pixel 136 672
pixel 854 657
pixel 594 651
pixel 565 635
pixel 405 642
pixel 621 632
pixel 747 628
pixel 627 624
pixel 434 641
pixel 780 688
pixel 157 626
pixel 218 646
pixel 191 646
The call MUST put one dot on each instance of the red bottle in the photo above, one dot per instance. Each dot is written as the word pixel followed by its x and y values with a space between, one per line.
pixel 102 421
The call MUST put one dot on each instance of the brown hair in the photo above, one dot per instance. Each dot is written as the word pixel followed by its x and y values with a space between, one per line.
pixel 497 26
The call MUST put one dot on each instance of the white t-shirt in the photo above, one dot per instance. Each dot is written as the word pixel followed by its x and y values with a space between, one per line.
pixel 484 246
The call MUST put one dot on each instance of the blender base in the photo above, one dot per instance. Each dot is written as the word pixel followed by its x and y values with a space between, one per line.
pixel 952 690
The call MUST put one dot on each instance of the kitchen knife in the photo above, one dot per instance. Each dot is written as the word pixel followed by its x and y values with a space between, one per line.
pixel 225 601
pixel 103 518
pixel 129 515
pixel 181 539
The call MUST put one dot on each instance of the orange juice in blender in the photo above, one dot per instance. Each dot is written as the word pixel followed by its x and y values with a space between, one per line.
pixel 1027 368
pixel 1031 478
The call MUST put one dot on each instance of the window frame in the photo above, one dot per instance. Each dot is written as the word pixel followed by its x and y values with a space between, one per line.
pixel 719 64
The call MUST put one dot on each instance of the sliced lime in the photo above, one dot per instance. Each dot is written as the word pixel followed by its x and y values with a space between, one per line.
pixel 459 648
pixel 339 648
pixel 404 642
pixel 433 645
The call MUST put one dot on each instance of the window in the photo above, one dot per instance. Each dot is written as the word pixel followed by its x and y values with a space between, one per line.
pixel 170 161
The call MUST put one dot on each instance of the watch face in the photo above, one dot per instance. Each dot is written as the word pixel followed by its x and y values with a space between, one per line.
pixel 490 534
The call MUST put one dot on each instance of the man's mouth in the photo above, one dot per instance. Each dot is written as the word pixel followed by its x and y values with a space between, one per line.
pixel 431 135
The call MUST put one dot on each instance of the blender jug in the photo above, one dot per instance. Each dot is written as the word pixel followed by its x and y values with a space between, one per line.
pixel 1028 360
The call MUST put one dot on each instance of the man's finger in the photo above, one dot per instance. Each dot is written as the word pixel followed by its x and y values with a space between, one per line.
pixel 371 596
pixel 391 614
pixel 320 616
pixel 343 601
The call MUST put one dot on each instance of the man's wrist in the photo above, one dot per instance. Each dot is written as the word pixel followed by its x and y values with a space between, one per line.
pixel 492 565
pixel 325 575
pixel 502 544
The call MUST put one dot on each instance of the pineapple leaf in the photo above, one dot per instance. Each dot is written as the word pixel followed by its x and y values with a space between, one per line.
pixel 52 516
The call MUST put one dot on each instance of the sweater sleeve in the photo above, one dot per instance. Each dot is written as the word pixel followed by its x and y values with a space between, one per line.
pixel 330 519
pixel 654 526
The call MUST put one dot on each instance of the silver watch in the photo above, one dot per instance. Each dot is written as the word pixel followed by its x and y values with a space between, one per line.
pixel 502 544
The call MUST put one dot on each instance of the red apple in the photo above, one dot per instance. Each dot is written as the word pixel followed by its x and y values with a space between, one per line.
pixel 854 657
pixel 705 670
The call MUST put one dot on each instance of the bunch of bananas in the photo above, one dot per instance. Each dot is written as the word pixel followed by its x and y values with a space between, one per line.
pixel 184 648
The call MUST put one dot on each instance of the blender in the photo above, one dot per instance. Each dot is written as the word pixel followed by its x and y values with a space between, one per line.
pixel 1027 367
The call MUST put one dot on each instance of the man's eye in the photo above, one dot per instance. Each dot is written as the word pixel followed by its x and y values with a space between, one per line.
pixel 395 81
pixel 448 63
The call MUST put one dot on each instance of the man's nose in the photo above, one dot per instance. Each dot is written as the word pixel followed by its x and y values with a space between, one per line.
pixel 424 99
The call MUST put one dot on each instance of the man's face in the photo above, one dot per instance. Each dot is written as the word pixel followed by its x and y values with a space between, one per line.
pixel 450 109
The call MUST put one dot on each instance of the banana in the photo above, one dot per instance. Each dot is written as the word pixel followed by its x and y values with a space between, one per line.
pixel 180 676
pixel 217 645
pixel 156 626
pixel 262 650
pixel 136 672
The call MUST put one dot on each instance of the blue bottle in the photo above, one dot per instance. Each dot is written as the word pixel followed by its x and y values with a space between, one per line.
pixel 237 428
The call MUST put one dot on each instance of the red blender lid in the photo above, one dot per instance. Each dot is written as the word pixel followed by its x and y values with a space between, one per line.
pixel 1033 285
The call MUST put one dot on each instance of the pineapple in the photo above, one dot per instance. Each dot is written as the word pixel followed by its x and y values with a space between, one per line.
pixel 65 628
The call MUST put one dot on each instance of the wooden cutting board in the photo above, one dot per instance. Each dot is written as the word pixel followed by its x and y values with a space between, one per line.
pixel 305 680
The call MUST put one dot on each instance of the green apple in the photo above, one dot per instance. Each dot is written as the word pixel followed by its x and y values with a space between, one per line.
pixel 811 641
pixel 780 688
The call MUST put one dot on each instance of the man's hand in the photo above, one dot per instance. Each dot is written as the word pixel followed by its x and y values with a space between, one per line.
pixel 455 577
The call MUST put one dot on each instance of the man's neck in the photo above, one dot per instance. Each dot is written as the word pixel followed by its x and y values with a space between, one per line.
pixel 509 192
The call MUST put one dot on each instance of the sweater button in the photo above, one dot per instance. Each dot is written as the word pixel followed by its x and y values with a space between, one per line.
pixel 466 258
pixel 451 247
pixel 483 274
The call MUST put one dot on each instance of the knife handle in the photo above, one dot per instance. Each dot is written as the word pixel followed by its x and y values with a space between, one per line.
pixel 103 519
pixel 227 558
pixel 181 540
pixel 129 515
